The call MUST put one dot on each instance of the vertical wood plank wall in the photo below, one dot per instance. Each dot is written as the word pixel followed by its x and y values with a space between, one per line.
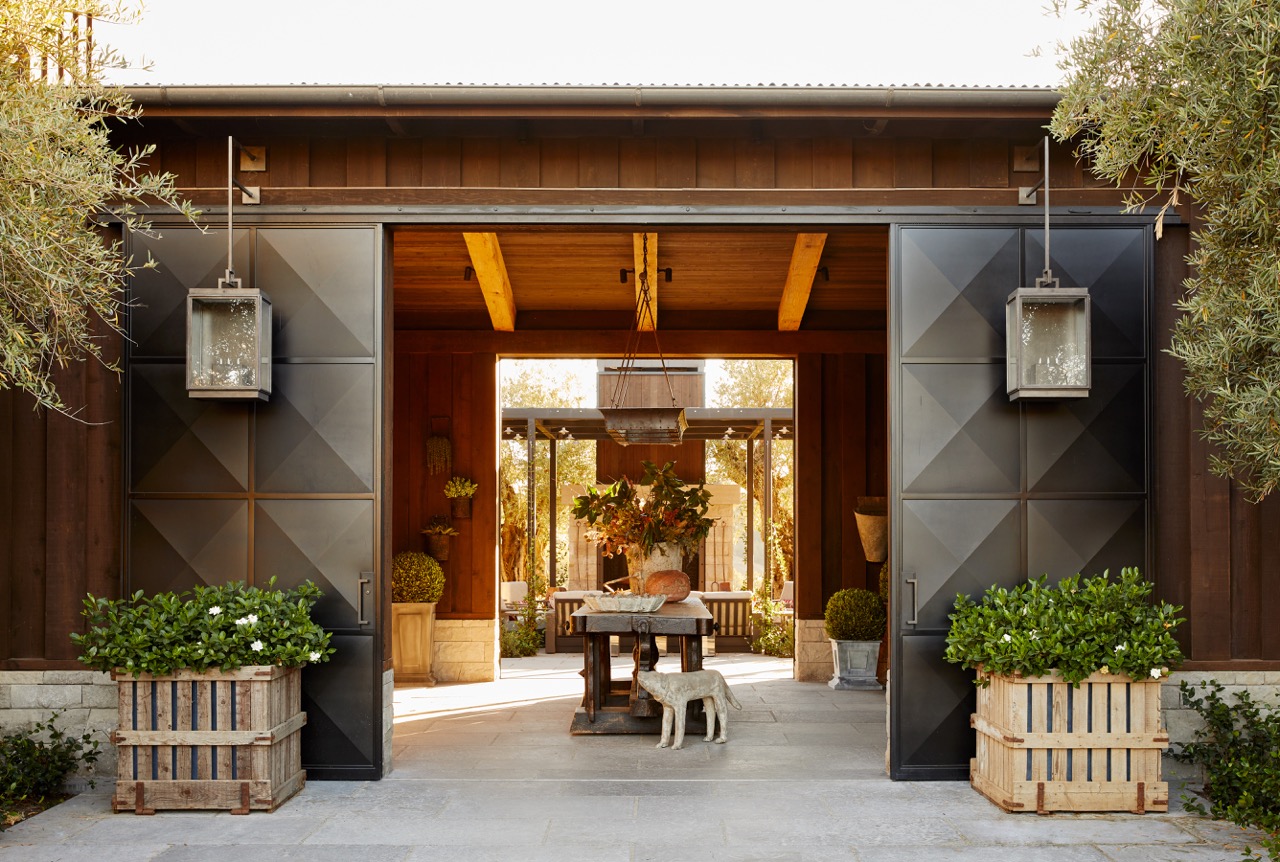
pixel 60 514
pixel 455 394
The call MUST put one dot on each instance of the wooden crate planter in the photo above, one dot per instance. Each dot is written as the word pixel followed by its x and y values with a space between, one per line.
pixel 1044 745
pixel 214 740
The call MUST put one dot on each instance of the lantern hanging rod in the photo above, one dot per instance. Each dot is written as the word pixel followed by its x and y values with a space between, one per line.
pixel 230 280
pixel 1046 278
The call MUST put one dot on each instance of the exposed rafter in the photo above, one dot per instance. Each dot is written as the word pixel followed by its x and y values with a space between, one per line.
pixel 649 266
pixel 495 284
pixel 800 273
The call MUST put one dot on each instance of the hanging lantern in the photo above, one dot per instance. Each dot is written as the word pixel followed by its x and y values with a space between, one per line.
pixel 228 342
pixel 229 329
pixel 1047 338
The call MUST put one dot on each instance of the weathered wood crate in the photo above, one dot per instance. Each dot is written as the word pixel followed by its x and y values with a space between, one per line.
pixel 221 740
pixel 1044 745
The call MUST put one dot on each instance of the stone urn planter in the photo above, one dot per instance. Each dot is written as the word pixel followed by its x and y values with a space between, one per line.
pixel 855 621
pixel 413 641
pixel 855 665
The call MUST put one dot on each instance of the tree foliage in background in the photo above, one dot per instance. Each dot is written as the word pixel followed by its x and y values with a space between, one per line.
pixel 61 284
pixel 759 383
pixel 528 383
pixel 1185 94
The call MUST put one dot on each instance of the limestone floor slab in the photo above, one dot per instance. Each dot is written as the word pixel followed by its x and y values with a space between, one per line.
pixel 488 772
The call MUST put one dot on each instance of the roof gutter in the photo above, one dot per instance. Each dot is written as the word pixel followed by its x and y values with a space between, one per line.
pixel 500 100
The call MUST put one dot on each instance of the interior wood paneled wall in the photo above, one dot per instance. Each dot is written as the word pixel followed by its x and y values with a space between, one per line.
pixel 1216 554
pixel 843 397
pixel 60 511
pixel 809 167
pixel 454 394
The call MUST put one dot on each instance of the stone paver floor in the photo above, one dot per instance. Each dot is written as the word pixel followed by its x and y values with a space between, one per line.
pixel 489 772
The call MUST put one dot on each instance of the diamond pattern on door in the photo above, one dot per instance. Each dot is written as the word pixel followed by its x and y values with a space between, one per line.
pixel 959 430
pixel 1110 262
pixel 318 283
pixel 181 443
pixel 1086 536
pixel 324 541
pixel 956 546
pixel 185 258
pixel 934 702
pixel 959 279
pixel 1088 444
pixel 178 544
pixel 340 732
pixel 315 435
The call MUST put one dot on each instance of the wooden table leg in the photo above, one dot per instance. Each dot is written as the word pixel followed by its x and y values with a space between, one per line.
pixel 691 653
pixel 590 692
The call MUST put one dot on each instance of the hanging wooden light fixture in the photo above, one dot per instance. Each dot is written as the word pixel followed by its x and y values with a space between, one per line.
pixel 660 426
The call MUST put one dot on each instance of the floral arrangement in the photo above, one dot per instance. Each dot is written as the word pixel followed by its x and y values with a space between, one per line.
pixel 459 487
pixel 1079 627
pixel 227 627
pixel 625 517
pixel 439 526
pixel 416 577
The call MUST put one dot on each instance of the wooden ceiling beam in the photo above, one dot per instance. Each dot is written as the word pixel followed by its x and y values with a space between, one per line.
pixel 495 284
pixel 648 319
pixel 800 273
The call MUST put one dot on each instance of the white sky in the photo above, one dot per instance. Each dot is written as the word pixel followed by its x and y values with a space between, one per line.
pixel 867 42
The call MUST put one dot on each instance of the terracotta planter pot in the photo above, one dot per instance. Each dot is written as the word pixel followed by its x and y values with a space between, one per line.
pixel 873 528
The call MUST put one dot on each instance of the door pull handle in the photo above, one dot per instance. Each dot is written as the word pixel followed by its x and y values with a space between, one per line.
pixel 915 601
pixel 364 587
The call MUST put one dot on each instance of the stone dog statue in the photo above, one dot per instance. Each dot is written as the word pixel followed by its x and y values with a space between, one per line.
pixel 675 690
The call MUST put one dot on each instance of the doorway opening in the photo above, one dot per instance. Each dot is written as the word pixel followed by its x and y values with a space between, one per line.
pixel 738 446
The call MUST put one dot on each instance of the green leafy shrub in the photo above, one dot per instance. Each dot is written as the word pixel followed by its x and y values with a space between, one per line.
pixel 521 641
pixel 416 577
pixel 1078 627
pixel 459 487
pixel 855 615
pixel 34 763
pixel 227 627
pixel 1239 749
pixel 774 632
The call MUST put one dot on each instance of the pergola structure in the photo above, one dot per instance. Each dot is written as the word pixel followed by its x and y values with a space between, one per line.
pixel 765 424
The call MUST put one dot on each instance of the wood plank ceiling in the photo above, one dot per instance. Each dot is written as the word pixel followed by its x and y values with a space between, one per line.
pixel 508 278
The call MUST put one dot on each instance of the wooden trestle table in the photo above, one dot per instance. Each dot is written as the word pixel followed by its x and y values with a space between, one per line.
pixel 622 706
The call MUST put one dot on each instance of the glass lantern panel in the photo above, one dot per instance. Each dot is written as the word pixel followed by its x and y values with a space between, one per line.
pixel 1053 344
pixel 224 350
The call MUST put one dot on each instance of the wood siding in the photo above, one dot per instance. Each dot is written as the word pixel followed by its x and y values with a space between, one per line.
pixel 60 514
pixel 452 394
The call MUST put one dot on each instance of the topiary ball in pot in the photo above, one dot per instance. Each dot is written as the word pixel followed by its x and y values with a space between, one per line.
pixel 416 577
pixel 855 615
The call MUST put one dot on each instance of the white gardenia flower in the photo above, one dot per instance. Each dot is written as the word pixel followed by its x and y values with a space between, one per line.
pixel 1155 673
pixel 242 621
pixel 1120 648
pixel 253 618
pixel 256 646
pixel 215 610
pixel 315 656
pixel 1008 638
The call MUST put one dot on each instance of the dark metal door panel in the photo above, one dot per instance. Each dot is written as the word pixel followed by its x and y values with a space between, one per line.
pixel 178 544
pixel 1069 536
pixel 343 735
pixel 185 258
pixel 932 703
pixel 329 542
pixel 960 278
pixel 959 431
pixel 179 443
pixel 315 435
pixel 955 546
pixel 318 281
pixel 985 491
pixel 1089 444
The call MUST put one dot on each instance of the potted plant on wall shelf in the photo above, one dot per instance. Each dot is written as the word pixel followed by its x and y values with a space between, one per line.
pixel 417 582
pixel 655 522
pixel 180 663
pixel 1068 714
pixel 438 533
pixel 459 491
pixel 855 621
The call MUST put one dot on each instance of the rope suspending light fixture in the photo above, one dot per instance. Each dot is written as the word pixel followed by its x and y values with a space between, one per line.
pixel 662 426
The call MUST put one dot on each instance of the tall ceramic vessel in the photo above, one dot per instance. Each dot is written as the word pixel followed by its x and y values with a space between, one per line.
pixel 665 555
